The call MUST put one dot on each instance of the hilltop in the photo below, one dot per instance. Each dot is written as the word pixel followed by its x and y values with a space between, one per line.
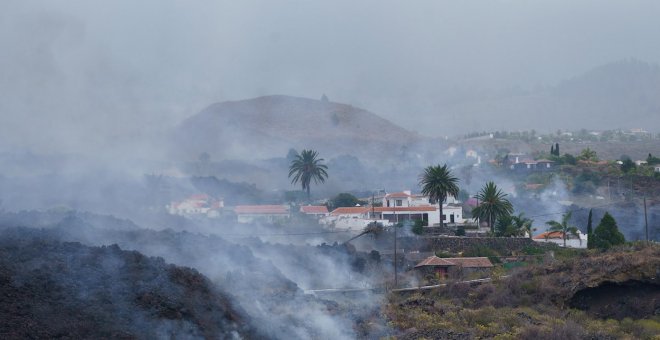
pixel 271 125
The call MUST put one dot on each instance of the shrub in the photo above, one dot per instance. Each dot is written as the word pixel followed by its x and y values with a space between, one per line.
pixel 607 233
pixel 418 227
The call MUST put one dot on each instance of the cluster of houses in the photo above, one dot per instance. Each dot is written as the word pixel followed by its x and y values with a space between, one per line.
pixel 388 209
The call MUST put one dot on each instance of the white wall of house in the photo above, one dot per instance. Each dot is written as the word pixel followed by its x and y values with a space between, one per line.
pixel 356 224
pixel 413 200
pixel 453 210
pixel 250 218
pixel 571 242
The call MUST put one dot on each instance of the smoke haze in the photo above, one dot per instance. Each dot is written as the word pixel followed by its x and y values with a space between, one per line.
pixel 79 75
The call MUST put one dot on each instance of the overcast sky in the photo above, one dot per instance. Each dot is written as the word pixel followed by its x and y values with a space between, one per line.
pixel 88 73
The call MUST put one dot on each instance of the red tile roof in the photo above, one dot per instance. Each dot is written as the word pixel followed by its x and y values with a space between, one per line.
pixel 391 209
pixel 350 210
pixel 434 261
pixel 550 235
pixel 314 209
pixel 471 262
pixel 397 194
pixel 262 209
pixel 465 262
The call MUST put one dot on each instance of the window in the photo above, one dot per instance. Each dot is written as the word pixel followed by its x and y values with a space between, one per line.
pixel 399 203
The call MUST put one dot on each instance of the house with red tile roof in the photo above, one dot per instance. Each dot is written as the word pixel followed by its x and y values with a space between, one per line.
pixel 434 267
pixel 557 237
pixel 364 215
pixel 314 210
pixel 197 205
pixel 262 213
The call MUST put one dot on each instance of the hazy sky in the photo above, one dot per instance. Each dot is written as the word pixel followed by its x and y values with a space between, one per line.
pixel 78 75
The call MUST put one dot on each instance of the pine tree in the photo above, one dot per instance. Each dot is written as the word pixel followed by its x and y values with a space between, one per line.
pixel 607 233
pixel 557 149
pixel 552 149
pixel 590 241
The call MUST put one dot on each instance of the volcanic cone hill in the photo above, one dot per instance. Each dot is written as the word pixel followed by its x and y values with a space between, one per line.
pixel 271 125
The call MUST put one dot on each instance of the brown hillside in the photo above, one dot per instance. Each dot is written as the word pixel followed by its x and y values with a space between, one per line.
pixel 268 126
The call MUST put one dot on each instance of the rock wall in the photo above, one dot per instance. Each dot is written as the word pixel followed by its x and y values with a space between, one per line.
pixel 502 245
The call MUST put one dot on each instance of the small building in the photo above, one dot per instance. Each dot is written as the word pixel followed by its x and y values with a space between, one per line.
pixel 558 237
pixel 198 205
pixel 455 267
pixel 657 168
pixel 314 210
pixel 261 213
pixel 407 199
pixel 540 165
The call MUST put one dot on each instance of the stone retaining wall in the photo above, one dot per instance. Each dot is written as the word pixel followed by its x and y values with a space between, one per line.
pixel 502 245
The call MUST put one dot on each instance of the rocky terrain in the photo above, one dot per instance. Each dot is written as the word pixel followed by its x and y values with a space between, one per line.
pixel 264 280
pixel 587 295
pixel 53 289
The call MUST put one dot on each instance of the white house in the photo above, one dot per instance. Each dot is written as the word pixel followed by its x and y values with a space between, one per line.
pixel 357 217
pixel 314 210
pixel 351 218
pixel 197 205
pixel 558 237
pixel 407 199
pixel 657 168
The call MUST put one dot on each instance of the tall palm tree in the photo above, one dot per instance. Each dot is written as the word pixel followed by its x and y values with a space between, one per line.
pixel 437 182
pixel 305 167
pixel 492 205
pixel 564 227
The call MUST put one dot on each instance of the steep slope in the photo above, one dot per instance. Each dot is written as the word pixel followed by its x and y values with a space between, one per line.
pixel 268 126
pixel 53 289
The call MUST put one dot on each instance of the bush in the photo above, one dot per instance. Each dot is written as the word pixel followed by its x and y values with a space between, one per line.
pixel 418 227
pixel 607 233
pixel 482 251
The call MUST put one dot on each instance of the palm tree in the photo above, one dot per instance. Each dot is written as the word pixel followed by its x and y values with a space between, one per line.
pixel 513 226
pixel 306 167
pixel 564 227
pixel 437 183
pixel 523 224
pixel 492 205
